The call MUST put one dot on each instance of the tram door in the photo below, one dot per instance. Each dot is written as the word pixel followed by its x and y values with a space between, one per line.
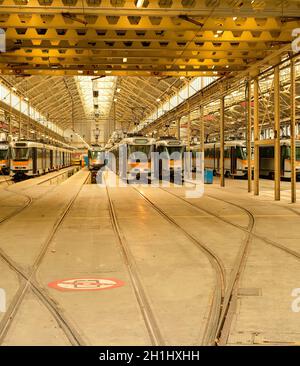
pixel 217 158
pixel 44 158
pixel 233 160
pixel 285 153
pixel 34 160
pixel 51 159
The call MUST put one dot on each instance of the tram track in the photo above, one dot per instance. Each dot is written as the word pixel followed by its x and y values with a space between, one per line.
pixel 29 199
pixel 152 327
pixel 28 281
pixel 209 337
pixel 241 260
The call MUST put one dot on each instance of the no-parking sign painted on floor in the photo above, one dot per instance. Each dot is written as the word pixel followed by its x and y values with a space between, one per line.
pixel 86 284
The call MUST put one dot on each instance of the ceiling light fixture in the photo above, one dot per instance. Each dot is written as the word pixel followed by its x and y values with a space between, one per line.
pixel 140 3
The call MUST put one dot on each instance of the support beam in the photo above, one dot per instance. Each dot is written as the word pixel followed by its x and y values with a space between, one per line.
pixel 293 132
pixel 202 129
pixel 189 131
pixel 256 137
pixel 277 159
pixel 222 140
pixel 249 132
pixel 178 128
pixel 20 121
pixel 10 129
pixel 189 119
pixel 202 141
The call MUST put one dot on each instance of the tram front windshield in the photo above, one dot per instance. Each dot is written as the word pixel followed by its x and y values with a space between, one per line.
pixel 3 154
pixel 135 151
pixel 20 153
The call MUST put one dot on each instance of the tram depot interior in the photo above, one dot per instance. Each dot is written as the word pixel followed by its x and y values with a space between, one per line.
pixel 91 255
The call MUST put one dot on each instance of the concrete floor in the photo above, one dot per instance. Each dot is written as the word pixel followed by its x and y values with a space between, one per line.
pixel 66 231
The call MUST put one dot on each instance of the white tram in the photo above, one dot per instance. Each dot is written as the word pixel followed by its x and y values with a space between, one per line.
pixel 96 156
pixel 30 158
pixel 4 157
pixel 171 157
pixel 133 157
pixel 235 158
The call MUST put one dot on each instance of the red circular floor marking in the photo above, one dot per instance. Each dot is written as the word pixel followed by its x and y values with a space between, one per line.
pixel 86 284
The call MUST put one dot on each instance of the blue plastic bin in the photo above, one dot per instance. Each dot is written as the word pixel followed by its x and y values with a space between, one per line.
pixel 86 160
pixel 208 176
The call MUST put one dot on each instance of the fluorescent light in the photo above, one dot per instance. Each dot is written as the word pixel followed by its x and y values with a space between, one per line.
pixel 124 59
pixel 140 3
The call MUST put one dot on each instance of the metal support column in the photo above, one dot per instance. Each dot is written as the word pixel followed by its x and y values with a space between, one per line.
pixel 202 142
pixel 202 129
pixel 189 119
pixel 10 129
pixel 249 133
pixel 293 133
pixel 222 140
pixel 189 130
pixel 277 160
pixel 20 123
pixel 178 128
pixel 256 137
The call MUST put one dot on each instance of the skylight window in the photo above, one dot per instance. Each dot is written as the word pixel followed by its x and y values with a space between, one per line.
pixel 103 99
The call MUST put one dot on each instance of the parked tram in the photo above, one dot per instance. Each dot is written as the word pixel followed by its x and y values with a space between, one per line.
pixel 133 158
pixel 235 158
pixel 4 157
pixel 30 158
pixel 171 157
pixel 266 160
pixel 96 157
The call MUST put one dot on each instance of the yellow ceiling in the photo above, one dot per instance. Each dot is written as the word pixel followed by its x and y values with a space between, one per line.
pixel 163 37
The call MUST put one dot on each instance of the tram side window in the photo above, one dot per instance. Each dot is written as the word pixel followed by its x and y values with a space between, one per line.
pixel 39 154
pixel 209 153
pixel 288 153
pixel 241 153
pixel 30 153
pixel 227 153
pixel 298 153
pixel 267 152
